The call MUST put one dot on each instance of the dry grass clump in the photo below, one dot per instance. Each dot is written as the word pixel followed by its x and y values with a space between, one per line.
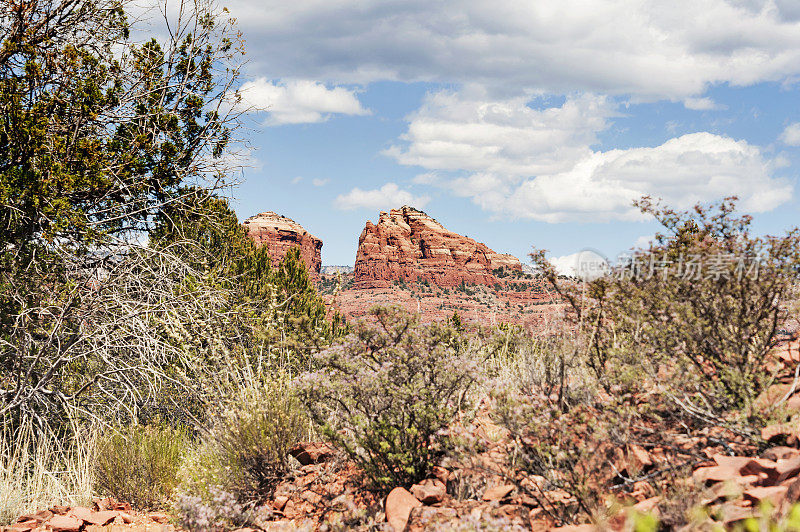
pixel 245 449
pixel 139 464
pixel 39 469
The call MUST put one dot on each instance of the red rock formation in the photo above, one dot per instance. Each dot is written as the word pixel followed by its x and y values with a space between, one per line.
pixel 280 234
pixel 408 245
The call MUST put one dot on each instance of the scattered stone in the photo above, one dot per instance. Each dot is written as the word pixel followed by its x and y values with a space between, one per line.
pixel 441 473
pixel 704 475
pixel 280 502
pixel 311 496
pixel 647 505
pixel 498 493
pixel 722 491
pixel 429 491
pixel 639 458
pixel 788 468
pixel 82 513
pixel 746 465
pixel 23 526
pixel 773 494
pixel 399 504
pixel 793 492
pixel 61 523
pixel 426 517
pixel 159 517
pixel 780 432
pixel 780 453
pixel 312 452
pixel 110 503
pixel 40 516
pixel 732 514
pixel 102 518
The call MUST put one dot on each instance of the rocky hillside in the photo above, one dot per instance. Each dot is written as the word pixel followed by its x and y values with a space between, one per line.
pixel 407 245
pixel 281 234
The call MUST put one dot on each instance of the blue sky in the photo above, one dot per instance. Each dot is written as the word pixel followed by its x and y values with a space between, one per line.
pixel 519 125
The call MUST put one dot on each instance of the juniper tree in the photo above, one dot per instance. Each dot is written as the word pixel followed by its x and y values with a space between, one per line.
pixel 99 135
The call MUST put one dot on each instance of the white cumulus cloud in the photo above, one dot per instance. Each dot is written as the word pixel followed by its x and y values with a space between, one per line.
pixel 298 101
pixel 540 164
pixel 791 135
pixel 672 49
pixel 644 241
pixel 586 264
pixel 702 104
pixel 466 131
pixel 387 197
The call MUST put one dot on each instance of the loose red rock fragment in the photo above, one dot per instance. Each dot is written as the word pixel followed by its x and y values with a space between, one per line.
pixel 715 474
pixel 280 502
pixel 788 468
pixel 640 459
pixel 441 473
pixel 23 526
pixel 647 505
pixel 780 431
pixel 746 465
pixel 82 513
pixel 780 453
pixel 312 452
pixel 110 503
pixel 159 517
pixel 61 523
pixel 426 518
pixel 772 494
pixel 40 516
pixel 575 528
pixel 399 504
pixel 429 491
pixel 102 518
pixel 497 493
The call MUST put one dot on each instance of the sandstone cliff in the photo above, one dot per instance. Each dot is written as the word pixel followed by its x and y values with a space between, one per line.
pixel 408 245
pixel 280 234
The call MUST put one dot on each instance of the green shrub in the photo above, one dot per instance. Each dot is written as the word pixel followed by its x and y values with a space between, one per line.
pixel 245 451
pixel 140 464
pixel 387 393
pixel 704 301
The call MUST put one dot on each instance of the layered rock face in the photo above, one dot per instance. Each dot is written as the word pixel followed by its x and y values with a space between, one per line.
pixel 280 234
pixel 408 245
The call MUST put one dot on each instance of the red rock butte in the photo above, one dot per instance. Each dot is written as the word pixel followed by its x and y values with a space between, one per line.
pixel 408 245
pixel 280 234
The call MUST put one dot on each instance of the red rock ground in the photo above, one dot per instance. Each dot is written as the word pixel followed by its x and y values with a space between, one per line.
pixel 728 475
pixel 521 300
pixel 106 515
